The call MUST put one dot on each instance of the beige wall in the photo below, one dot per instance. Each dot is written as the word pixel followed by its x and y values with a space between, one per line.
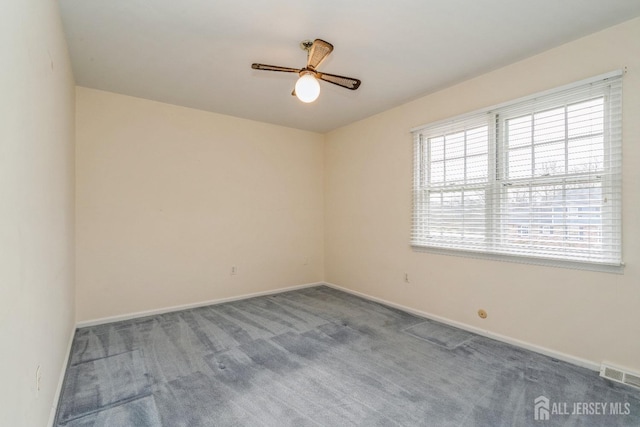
pixel 170 198
pixel 36 209
pixel 588 315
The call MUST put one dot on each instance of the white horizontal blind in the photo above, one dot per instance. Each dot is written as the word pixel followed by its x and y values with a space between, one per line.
pixel 451 184
pixel 537 178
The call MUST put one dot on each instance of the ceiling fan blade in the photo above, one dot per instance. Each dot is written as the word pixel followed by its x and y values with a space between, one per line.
pixel 318 52
pixel 346 82
pixel 265 67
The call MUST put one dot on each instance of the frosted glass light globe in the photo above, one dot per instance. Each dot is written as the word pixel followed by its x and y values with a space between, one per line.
pixel 307 88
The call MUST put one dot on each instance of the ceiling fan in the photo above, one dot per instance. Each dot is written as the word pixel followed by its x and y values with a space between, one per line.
pixel 307 87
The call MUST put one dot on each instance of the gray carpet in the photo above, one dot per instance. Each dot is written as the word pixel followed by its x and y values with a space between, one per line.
pixel 320 357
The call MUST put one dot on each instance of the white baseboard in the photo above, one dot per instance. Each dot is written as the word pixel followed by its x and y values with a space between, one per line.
pixel 486 333
pixel 503 338
pixel 63 371
pixel 118 318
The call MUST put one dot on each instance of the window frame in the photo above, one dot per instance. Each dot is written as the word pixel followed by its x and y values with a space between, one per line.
pixel 495 118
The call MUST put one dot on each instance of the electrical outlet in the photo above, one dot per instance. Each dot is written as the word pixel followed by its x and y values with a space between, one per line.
pixel 234 270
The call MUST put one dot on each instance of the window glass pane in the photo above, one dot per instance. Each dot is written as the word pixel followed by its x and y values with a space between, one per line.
pixel 451 214
pixel 547 214
pixel 474 215
pixel 454 145
pixel 516 214
pixel 436 146
pixel 519 163
pixel 548 125
pixel 549 159
pixel 548 218
pixel 436 173
pixel 477 168
pixel 519 131
pixel 435 214
pixel 477 141
pixel 455 171
pixel 554 219
pixel 586 154
pixel 583 226
pixel 586 118
pixel 518 201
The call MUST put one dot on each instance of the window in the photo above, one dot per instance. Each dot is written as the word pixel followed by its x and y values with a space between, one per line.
pixel 538 178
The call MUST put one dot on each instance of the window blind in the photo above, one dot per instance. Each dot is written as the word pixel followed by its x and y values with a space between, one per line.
pixel 536 178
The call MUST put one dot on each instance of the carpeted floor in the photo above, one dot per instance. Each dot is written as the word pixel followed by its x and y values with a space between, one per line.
pixel 321 357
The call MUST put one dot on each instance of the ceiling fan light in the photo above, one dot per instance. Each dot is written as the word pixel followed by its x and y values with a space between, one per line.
pixel 307 88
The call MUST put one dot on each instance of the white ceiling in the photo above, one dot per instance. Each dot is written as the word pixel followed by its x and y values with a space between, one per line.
pixel 198 53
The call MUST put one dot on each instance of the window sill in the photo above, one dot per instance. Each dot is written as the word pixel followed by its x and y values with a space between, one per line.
pixel 602 268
